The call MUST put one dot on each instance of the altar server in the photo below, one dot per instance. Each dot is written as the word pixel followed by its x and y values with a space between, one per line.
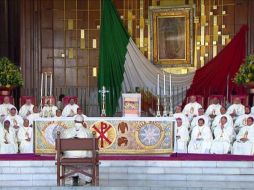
pixel 201 138
pixel 79 130
pixel 214 108
pixel 26 109
pixel 8 141
pixel 25 137
pixel 182 137
pixel 244 144
pixel 70 109
pixel 191 109
pixel 236 109
pixel 223 136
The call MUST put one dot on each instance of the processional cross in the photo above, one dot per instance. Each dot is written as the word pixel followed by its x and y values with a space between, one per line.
pixel 103 92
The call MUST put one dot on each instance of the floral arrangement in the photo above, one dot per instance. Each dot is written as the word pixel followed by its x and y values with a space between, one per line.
pixel 245 73
pixel 10 74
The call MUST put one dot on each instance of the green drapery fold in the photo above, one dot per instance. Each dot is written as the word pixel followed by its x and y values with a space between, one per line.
pixel 113 47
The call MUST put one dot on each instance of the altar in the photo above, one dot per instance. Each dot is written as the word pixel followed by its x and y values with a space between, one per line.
pixel 116 135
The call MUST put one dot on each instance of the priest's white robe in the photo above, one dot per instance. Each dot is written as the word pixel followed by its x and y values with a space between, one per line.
pixel 70 110
pixel 241 121
pixel 182 138
pixel 24 134
pixel 201 139
pixel 238 108
pixel 194 122
pixel 185 120
pixel 48 111
pixel 244 148
pixel 222 139
pixel 16 122
pixel 26 110
pixel 216 120
pixel 5 110
pixel 32 117
pixel 191 109
pixel 213 109
pixel 11 147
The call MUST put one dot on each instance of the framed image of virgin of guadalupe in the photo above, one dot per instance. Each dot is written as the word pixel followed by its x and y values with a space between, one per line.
pixel 171 30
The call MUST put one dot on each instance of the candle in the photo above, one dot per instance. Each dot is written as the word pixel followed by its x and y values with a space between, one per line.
pixel 41 84
pixel 170 86
pixel 46 85
pixel 158 84
pixel 51 83
pixel 164 84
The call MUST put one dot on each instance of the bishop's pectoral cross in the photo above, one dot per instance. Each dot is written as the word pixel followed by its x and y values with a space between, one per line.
pixel 103 92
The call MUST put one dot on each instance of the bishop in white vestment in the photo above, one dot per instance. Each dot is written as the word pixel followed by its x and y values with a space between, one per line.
pixel 182 137
pixel 223 136
pixel 191 109
pixel 8 141
pixel 244 144
pixel 236 109
pixel 217 119
pixel 25 137
pixel 213 109
pixel 71 109
pixel 201 138
pixel 26 109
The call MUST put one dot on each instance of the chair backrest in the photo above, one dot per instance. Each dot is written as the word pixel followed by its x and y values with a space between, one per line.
pixel 66 99
pixel 46 98
pixel 199 99
pixel 221 99
pixel 22 100
pixel 244 99
pixel 2 99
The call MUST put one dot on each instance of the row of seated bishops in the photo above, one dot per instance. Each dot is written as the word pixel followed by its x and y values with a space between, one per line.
pixel 216 130
pixel 16 127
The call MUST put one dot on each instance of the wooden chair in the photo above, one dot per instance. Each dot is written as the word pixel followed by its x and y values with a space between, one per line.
pixel 199 99
pixel 221 99
pixel 22 100
pixel 66 99
pixel 244 99
pixel 77 165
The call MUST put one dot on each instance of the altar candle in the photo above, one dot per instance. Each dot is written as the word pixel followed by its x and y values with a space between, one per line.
pixel 51 83
pixel 41 84
pixel 170 86
pixel 164 84
pixel 158 84
pixel 46 85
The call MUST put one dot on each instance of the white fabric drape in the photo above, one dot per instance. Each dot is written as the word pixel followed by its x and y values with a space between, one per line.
pixel 140 72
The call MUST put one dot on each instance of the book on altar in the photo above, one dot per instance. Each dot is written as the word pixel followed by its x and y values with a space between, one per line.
pixel 131 105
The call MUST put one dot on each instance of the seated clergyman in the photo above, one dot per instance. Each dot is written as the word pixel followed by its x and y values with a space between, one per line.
pixel 71 109
pixel 49 109
pixel 182 136
pixel 79 130
pixel 26 109
pixel 25 137
pixel 191 109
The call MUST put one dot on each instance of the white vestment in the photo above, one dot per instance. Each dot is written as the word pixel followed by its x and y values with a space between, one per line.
pixel 238 108
pixel 216 120
pixel 241 121
pixel 244 148
pixel 70 110
pixel 181 142
pixel 185 120
pixel 23 135
pixel 48 111
pixel 10 137
pixel 213 109
pixel 32 117
pixel 194 122
pixel 5 110
pixel 201 139
pixel 191 109
pixel 222 139
pixel 15 120
pixel 26 110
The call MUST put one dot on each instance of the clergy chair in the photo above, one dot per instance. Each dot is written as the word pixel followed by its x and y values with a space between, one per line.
pixel 66 99
pixel 199 99
pixel 46 98
pixel 244 99
pixel 22 100
pixel 2 99
pixel 77 165
pixel 221 99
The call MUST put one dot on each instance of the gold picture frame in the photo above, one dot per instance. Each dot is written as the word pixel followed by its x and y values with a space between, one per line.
pixel 171 38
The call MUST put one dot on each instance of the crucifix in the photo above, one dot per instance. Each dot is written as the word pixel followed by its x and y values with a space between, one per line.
pixel 103 92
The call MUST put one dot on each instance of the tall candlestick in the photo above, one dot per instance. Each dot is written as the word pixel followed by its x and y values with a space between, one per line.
pixel 170 86
pixel 51 83
pixel 41 84
pixel 164 85
pixel 158 84
pixel 46 84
